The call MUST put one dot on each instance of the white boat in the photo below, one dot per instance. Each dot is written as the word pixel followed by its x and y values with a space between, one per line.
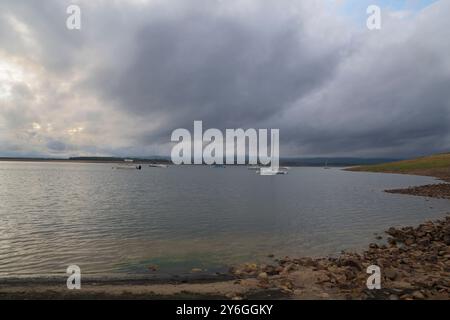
pixel 269 171
pixel 274 168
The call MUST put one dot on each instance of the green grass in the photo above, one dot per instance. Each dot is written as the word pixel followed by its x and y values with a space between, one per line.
pixel 438 161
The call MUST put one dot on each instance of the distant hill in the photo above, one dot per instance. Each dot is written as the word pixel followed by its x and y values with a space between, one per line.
pixel 291 162
pixel 332 162
pixel 155 159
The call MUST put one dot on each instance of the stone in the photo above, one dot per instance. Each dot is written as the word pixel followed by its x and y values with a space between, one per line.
pixel 235 271
pixel 322 278
pixel 401 285
pixel 263 276
pixel 298 292
pixel 447 240
pixel 418 295
pixel 270 270
pixel 424 242
pixel 250 267
pixel 308 262
pixel 391 274
pixel 392 242
pixel 153 267
pixel 352 263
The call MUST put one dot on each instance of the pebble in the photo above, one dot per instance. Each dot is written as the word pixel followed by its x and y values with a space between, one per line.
pixel 391 274
pixel 418 295
pixel 263 276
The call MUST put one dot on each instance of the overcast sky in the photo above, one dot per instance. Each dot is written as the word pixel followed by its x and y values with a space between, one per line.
pixel 137 70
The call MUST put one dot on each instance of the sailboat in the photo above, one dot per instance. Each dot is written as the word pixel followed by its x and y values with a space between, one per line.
pixel 274 168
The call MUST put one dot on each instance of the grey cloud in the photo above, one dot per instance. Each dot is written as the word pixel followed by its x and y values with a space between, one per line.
pixel 227 71
pixel 331 89
pixel 58 146
pixel 391 97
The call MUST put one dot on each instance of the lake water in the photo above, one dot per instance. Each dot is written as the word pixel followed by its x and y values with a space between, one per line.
pixel 118 222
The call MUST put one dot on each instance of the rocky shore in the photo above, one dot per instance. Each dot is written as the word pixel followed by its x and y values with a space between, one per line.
pixel 415 264
pixel 439 191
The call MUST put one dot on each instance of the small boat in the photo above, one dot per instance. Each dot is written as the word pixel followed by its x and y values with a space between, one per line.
pixel 128 165
pixel 274 168
pixel 162 166
pixel 128 168
pixel 269 171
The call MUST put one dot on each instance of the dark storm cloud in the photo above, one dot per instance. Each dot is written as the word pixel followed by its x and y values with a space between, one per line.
pixel 236 81
pixel 390 97
pixel 226 70
pixel 146 68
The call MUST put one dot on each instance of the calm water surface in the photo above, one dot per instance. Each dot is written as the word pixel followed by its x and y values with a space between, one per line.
pixel 118 222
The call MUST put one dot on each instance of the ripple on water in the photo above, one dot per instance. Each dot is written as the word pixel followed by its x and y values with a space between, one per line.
pixel 120 222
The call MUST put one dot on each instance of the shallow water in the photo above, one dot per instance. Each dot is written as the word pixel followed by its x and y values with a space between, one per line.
pixel 118 222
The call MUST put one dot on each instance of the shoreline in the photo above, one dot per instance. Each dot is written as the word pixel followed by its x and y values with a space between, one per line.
pixel 415 264
pixel 437 191
pixel 143 161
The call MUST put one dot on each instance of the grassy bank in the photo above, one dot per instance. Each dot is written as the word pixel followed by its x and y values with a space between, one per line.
pixel 435 166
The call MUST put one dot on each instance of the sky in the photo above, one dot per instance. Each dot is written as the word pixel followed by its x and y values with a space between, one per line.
pixel 139 69
pixel 351 6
